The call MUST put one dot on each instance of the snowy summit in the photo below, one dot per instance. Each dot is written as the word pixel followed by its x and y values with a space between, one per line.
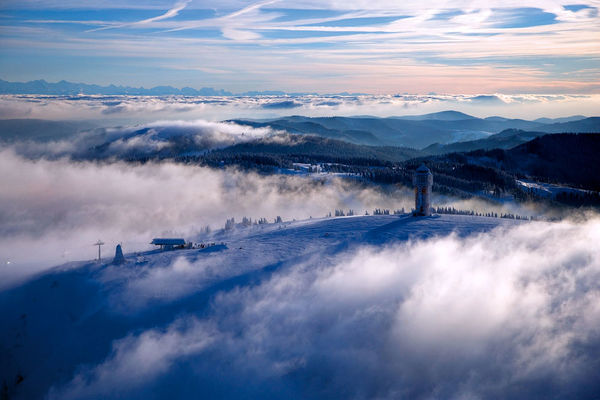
pixel 73 313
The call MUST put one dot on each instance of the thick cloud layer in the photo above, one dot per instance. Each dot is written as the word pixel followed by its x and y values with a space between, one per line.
pixel 62 207
pixel 513 313
pixel 169 138
pixel 129 109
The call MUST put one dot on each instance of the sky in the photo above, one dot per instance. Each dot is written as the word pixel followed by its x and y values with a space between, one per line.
pixel 330 46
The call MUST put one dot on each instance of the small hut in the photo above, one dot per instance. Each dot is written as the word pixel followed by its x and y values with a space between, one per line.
pixel 169 243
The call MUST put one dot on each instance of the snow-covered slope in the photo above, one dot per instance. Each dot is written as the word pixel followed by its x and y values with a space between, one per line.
pixel 69 316
pixel 261 314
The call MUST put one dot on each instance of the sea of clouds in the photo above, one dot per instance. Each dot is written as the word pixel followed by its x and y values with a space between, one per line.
pixel 511 313
pixel 137 109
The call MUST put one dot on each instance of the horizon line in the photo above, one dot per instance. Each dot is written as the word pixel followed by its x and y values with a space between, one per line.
pixel 261 92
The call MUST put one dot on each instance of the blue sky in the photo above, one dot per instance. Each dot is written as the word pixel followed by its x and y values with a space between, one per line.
pixel 377 46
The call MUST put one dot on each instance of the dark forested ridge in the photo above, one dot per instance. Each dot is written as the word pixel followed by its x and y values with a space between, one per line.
pixel 436 133
pixel 323 149
pixel 561 159
pixel 488 167
pixel 506 139
pixel 557 158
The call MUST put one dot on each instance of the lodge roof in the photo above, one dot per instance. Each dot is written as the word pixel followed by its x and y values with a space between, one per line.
pixel 168 241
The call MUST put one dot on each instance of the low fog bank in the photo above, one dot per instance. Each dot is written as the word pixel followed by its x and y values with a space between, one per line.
pixel 158 138
pixel 138 109
pixel 52 211
pixel 512 313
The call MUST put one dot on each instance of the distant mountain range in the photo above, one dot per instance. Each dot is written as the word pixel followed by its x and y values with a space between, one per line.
pixel 70 88
pixel 435 133
pixel 430 134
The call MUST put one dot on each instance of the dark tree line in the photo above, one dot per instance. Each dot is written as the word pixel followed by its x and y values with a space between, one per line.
pixel 485 173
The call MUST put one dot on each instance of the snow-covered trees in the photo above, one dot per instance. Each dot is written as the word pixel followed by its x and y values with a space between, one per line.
pixel 246 221
pixel 379 211
pixel 230 224
pixel 454 211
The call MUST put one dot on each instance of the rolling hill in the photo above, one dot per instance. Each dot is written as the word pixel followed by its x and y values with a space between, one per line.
pixel 420 131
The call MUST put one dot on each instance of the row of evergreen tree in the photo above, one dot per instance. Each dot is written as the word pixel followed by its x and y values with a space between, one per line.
pixel 454 174
pixel 454 211
pixel 230 224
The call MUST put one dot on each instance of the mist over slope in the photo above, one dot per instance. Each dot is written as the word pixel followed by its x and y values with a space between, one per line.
pixel 362 307
pixel 274 149
pixel 436 133
pixel 61 206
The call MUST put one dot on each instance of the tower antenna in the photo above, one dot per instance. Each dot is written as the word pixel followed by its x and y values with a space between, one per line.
pixel 99 243
pixel 423 182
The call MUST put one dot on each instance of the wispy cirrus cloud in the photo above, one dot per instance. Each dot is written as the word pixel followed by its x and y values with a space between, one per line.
pixel 172 12
pixel 263 45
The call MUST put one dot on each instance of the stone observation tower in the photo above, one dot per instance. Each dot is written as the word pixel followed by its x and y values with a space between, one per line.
pixel 423 181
